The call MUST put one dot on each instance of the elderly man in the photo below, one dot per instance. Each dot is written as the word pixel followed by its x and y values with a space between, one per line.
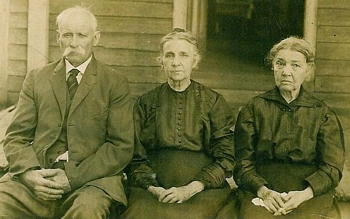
pixel 72 134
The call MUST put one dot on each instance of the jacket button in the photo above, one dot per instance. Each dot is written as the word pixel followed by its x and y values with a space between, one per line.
pixel 59 124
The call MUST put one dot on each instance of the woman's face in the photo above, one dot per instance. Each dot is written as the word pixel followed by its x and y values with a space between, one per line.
pixel 178 59
pixel 290 69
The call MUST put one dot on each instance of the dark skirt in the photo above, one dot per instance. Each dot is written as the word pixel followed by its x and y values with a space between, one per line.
pixel 176 168
pixel 285 177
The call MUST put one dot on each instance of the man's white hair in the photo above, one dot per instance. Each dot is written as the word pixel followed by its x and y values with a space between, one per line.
pixel 76 10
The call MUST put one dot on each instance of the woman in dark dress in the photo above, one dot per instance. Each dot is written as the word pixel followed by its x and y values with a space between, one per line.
pixel 184 144
pixel 289 145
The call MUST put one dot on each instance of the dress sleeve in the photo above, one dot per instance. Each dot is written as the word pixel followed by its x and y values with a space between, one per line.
pixel 221 145
pixel 331 155
pixel 245 138
pixel 140 174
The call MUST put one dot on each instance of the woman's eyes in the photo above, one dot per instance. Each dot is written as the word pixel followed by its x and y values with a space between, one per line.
pixel 280 63
pixel 169 55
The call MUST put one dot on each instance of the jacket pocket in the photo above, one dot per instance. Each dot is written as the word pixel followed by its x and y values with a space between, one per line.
pixel 101 117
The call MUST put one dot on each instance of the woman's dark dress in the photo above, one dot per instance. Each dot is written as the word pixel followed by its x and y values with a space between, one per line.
pixel 288 147
pixel 181 137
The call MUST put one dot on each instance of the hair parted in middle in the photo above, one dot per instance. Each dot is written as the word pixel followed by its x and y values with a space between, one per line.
pixel 180 34
pixel 293 43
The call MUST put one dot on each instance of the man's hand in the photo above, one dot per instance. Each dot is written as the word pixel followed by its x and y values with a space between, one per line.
pixel 272 200
pixel 61 178
pixel 39 183
pixel 294 198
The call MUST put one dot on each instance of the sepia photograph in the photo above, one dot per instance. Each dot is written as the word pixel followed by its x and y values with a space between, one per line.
pixel 175 109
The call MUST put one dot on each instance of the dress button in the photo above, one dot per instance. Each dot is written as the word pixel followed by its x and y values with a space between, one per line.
pixel 51 160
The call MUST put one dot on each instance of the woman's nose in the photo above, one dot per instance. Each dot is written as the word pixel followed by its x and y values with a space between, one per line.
pixel 287 70
pixel 176 61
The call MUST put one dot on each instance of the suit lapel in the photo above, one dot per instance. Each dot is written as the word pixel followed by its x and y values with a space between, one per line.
pixel 57 80
pixel 85 86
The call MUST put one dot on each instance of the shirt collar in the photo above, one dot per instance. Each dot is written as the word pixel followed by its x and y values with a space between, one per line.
pixel 81 67
pixel 304 99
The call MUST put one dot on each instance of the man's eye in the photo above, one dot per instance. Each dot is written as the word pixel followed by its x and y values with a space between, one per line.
pixel 81 35
pixel 67 35
pixel 184 55
pixel 296 65
pixel 169 55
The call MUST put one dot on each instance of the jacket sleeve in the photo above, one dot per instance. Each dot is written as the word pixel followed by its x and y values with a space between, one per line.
pixel 20 133
pixel 140 174
pixel 221 145
pixel 331 155
pixel 245 139
pixel 115 153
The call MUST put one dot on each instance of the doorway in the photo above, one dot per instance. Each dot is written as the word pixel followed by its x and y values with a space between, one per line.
pixel 247 29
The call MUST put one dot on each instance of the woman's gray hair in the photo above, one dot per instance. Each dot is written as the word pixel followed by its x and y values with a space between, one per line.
pixel 295 44
pixel 76 10
pixel 181 34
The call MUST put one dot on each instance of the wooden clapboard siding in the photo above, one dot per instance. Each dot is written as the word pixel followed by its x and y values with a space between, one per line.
pixel 168 1
pixel 17 48
pixel 130 34
pixel 128 25
pixel 119 8
pixel 332 76
pixel 332 84
pixel 332 68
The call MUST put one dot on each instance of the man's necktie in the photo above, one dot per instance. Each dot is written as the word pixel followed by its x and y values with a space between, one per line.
pixel 72 82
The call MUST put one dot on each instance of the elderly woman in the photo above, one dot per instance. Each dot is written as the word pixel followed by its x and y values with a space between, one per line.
pixel 289 145
pixel 184 144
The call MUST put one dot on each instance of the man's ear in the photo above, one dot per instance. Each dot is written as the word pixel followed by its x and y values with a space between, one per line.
pixel 97 35
pixel 58 36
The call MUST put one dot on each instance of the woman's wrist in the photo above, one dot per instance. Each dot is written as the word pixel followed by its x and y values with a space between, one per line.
pixel 196 187
pixel 263 192
pixel 308 193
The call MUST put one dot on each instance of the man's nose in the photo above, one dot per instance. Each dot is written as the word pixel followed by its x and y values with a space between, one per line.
pixel 74 42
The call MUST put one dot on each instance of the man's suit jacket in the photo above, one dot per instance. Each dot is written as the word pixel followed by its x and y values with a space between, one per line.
pixel 99 126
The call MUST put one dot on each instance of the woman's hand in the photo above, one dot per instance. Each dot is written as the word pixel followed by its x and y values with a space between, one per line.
pixel 272 200
pixel 156 191
pixel 177 194
pixel 294 198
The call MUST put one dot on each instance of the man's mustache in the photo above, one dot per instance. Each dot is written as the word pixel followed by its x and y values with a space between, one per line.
pixel 69 50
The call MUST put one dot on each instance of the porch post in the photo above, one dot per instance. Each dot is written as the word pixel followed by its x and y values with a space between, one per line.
pixel 310 30
pixel 180 14
pixel 38 33
pixel 4 31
